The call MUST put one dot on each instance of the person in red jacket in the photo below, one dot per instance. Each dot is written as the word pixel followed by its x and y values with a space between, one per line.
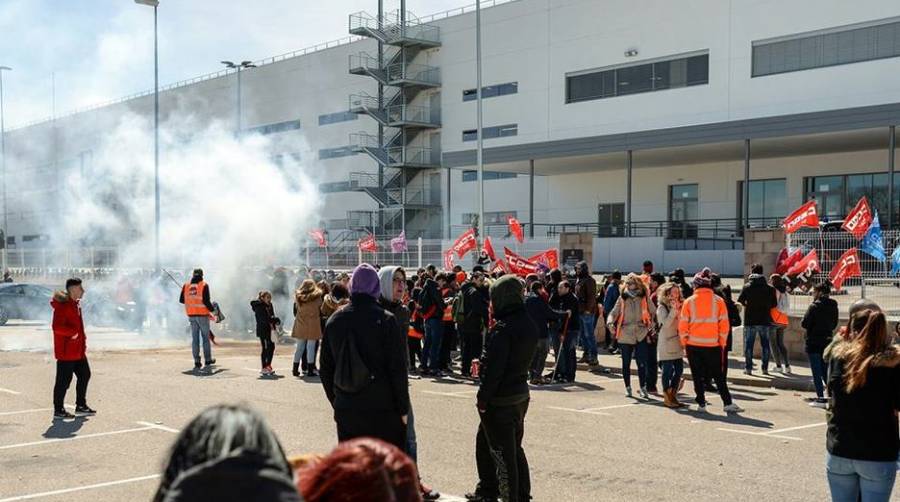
pixel 70 349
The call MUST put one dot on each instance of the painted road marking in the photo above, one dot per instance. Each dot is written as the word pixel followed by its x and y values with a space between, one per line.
pixel 588 411
pixel 85 436
pixel 21 412
pixel 160 427
pixel 777 432
pixel 7 391
pixel 79 488
pixel 464 394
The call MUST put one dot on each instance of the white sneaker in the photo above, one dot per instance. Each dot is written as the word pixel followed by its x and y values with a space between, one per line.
pixel 819 404
pixel 787 370
pixel 644 393
pixel 778 369
pixel 701 408
pixel 733 408
pixel 628 391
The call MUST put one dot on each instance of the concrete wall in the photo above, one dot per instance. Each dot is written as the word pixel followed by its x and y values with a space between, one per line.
pixel 762 246
pixel 628 255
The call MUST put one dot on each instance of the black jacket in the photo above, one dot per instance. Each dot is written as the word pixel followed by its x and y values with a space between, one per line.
pixel 508 352
pixel 429 297
pixel 541 314
pixel 475 309
pixel 759 299
pixel 380 345
pixel 265 317
pixel 237 478
pixel 567 303
pixel 820 321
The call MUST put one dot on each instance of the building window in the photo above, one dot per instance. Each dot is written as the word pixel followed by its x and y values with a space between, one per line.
pixel 492 132
pixel 684 211
pixel 333 118
pixel 491 91
pixel 634 79
pixel 844 45
pixel 472 175
pixel 611 220
pixel 836 195
pixel 332 153
pixel 768 201
pixel 280 158
pixel 290 125
pixel 490 217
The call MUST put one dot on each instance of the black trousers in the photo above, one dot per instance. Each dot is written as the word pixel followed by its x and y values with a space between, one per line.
pixel 268 350
pixel 64 372
pixel 500 459
pixel 415 350
pixel 706 364
pixel 449 341
pixel 384 425
pixel 472 342
pixel 652 366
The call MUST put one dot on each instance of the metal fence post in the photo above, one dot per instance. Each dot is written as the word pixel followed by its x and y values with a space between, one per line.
pixel 862 281
pixel 419 251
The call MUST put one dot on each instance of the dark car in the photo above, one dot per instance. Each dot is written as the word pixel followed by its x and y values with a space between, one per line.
pixel 24 301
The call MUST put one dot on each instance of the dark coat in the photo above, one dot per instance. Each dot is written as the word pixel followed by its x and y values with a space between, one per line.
pixel 380 345
pixel 265 318
pixel 476 309
pixel 235 478
pixel 430 300
pixel 567 303
pixel 820 321
pixel 509 349
pixel 759 299
pixel 586 291
pixel 541 314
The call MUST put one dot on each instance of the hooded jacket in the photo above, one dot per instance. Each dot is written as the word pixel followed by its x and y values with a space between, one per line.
pixel 586 291
pixel 265 317
pixel 307 322
pixel 633 327
pixel 69 340
pixel 820 321
pixel 236 478
pixel 669 346
pixel 759 299
pixel 394 305
pixel 476 309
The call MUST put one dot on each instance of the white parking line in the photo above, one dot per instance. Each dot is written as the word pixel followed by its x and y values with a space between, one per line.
pixel 21 412
pixel 79 488
pixel 160 427
pixel 7 391
pixel 73 438
pixel 464 394
pixel 587 411
pixel 777 432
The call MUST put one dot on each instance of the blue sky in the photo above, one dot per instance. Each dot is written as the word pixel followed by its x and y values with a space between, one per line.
pixel 103 49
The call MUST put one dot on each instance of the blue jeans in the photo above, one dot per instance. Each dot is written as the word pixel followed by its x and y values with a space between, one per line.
pixel 750 333
pixel 431 352
pixel 200 332
pixel 639 352
pixel 671 373
pixel 588 343
pixel 817 365
pixel 851 480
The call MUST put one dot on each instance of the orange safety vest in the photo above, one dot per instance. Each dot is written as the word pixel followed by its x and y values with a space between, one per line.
pixel 704 320
pixel 193 299
pixel 779 317
pixel 645 314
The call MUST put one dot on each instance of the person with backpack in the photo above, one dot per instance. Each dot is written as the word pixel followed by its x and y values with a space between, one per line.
pixel 470 314
pixel 363 365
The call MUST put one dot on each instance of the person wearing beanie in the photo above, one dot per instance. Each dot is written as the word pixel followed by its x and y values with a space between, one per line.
pixel 363 365
pixel 70 350
pixel 503 397
pixel 703 327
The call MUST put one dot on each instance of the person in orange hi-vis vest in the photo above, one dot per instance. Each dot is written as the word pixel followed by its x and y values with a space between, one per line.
pixel 703 329
pixel 197 306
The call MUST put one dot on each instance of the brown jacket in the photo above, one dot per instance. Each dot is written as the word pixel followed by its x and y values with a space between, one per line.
pixel 307 323
pixel 586 291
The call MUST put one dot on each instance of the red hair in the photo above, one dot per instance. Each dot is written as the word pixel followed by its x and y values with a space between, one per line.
pixel 361 470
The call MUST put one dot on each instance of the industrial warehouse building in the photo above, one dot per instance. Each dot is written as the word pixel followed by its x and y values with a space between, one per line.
pixel 659 126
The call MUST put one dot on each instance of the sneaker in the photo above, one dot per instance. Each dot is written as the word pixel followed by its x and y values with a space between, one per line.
pixel 643 392
pixel 787 370
pixel 733 408
pixel 477 496
pixel 197 365
pixel 765 372
pixel 701 408
pixel 778 369
pixel 628 391
pixel 428 493
pixel 84 410
pixel 819 403
pixel 211 362
pixel 62 414
pixel 748 372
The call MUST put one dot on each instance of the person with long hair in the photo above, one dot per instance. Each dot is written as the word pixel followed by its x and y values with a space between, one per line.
pixel 227 453
pixel 632 322
pixel 863 437
pixel 669 346
pixel 266 323
pixel 780 323
pixel 307 328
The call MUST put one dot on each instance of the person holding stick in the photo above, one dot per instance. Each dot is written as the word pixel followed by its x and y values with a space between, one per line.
pixel 565 300
pixel 197 305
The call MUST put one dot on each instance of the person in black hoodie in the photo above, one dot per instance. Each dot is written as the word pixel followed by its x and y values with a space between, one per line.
pixel 758 299
pixel 541 314
pixel 380 408
pixel 503 396
pixel 265 323
pixel 474 319
pixel 820 321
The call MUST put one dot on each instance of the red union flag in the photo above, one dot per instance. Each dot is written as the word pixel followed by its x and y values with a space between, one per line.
pixel 448 259
pixel 499 267
pixel 489 249
pixel 810 262
pixel 464 243
pixel 368 243
pixel 858 219
pixel 515 228
pixel 846 266
pixel 519 265
pixel 318 235
pixel 805 216
pixel 549 258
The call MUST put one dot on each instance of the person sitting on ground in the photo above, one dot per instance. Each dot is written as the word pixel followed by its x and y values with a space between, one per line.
pixel 863 437
pixel 359 470
pixel 227 453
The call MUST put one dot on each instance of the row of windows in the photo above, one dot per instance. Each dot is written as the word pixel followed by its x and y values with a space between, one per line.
pixel 333 118
pixel 491 91
pixel 290 125
pixel 490 217
pixel 647 77
pixel 827 49
pixel 333 153
pixel 501 131
pixel 472 175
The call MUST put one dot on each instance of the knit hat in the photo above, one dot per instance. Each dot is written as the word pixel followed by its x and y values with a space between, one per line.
pixel 364 280
pixel 703 278
pixel 507 292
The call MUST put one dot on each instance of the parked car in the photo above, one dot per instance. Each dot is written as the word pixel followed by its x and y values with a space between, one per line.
pixel 24 301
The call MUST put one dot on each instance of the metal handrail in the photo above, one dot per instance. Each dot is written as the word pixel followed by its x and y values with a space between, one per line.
pixel 363 180
pixel 415 72
pixel 364 140
pixel 363 100
pixel 411 113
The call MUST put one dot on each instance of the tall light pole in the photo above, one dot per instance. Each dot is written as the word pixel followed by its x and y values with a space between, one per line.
pixel 239 66
pixel 3 165
pixel 155 5
pixel 479 125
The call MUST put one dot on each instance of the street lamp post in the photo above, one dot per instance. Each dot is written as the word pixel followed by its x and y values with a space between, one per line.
pixel 155 5
pixel 479 125
pixel 239 66
pixel 3 165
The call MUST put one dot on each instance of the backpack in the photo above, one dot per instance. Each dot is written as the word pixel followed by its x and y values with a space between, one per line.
pixel 351 375
pixel 458 311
